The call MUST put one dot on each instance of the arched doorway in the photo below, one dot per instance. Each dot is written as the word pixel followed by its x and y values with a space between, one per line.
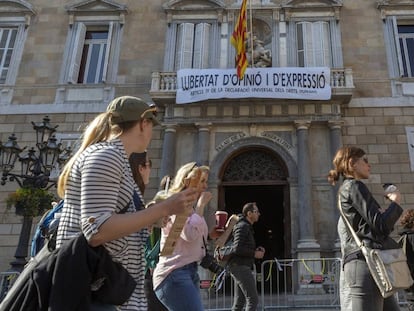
pixel 258 174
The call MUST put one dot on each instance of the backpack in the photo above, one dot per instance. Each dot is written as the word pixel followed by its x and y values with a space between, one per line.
pixel 224 244
pixel 46 230
pixel 152 249
pixel 224 253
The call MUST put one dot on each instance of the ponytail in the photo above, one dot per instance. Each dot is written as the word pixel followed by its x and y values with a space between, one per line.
pixel 98 130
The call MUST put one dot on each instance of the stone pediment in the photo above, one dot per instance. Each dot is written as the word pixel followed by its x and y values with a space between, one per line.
pixel 395 2
pixel 395 7
pixel 16 7
pixel 94 6
pixel 191 5
pixel 316 8
pixel 312 4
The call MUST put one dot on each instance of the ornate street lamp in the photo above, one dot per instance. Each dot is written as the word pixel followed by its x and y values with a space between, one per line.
pixel 35 168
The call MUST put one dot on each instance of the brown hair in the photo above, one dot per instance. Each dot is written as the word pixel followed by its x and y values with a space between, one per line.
pixel 248 207
pixel 407 219
pixel 344 158
pixel 135 161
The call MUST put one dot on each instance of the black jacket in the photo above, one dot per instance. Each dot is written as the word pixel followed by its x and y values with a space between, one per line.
pixel 363 212
pixel 244 245
pixel 63 281
pixel 409 248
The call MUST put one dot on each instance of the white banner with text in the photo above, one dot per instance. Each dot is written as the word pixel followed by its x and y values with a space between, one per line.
pixel 311 83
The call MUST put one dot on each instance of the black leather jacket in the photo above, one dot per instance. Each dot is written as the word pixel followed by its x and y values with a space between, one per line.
pixel 244 245
pixel 363 213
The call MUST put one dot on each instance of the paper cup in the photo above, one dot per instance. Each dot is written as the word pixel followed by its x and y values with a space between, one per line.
pixel 221 219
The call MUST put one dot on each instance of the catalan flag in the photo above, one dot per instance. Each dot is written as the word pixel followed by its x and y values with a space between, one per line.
pixel 238 41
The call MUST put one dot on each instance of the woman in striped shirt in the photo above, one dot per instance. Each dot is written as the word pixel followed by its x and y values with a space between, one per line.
pixel 97 184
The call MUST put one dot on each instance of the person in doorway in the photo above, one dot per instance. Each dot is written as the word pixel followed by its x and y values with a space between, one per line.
pixel 243 255
pixel 175 278
pixel 371 224
pixel 98 188
pixel 407 234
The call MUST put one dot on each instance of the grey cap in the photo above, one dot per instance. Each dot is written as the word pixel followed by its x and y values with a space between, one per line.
pixel 129 108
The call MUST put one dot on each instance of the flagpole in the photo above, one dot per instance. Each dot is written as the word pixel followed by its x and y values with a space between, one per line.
pixel 251 32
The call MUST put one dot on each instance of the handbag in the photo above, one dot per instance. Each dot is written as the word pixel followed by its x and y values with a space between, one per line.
pixel 388 267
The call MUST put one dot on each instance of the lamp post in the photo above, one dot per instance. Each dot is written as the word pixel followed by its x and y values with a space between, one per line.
pixel 36 166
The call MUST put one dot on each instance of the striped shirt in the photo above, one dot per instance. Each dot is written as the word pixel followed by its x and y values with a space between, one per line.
pixel 99 185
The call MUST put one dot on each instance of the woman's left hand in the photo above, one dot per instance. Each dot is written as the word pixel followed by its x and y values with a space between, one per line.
pixel 202 201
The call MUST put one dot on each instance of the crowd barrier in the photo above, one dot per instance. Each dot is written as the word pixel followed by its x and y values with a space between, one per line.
pixel 286 284
pixel 283 284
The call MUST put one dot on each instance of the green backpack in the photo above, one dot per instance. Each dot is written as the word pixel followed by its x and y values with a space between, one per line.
pixel 152 249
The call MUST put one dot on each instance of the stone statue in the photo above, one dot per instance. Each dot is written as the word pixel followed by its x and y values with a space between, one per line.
pixel 261 57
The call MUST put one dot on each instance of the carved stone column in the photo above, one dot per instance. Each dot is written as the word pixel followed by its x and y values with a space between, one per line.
pixel 307 246
pixel 335 139
pixel 203 146
pixel 307 232
pixel 168 151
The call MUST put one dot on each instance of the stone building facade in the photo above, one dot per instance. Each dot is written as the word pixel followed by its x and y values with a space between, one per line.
pixel 68 59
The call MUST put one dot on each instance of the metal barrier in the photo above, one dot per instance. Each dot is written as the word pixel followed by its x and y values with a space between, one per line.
pixel 300 284
pixel 286 284
pixel 6 282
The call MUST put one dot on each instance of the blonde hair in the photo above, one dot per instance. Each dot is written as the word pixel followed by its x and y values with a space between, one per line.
pixel 159 197
pixel 183 173
pixel 99 129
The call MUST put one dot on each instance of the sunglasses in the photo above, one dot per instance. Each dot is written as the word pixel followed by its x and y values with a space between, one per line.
pixel 191 169
pixel 152 110
pixel 365 159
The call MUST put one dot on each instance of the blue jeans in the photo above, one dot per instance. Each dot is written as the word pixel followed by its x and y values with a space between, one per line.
pixel 180 291
pixel 364 293
pixel 245 292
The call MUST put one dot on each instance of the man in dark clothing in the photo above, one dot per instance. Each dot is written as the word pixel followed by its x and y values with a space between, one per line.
pixel 242 259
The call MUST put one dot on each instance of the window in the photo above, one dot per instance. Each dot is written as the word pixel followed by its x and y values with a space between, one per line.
pixel 313 44
pixel 93 42
pixel 192 46
pixel 93 57
pixel 15 17
pixel 313 34
pixel 7 44
pixel 193 35
pixel 399 42
pixel 406 43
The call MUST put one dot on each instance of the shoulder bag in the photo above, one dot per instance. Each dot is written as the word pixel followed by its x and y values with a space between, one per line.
pixel 388 267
